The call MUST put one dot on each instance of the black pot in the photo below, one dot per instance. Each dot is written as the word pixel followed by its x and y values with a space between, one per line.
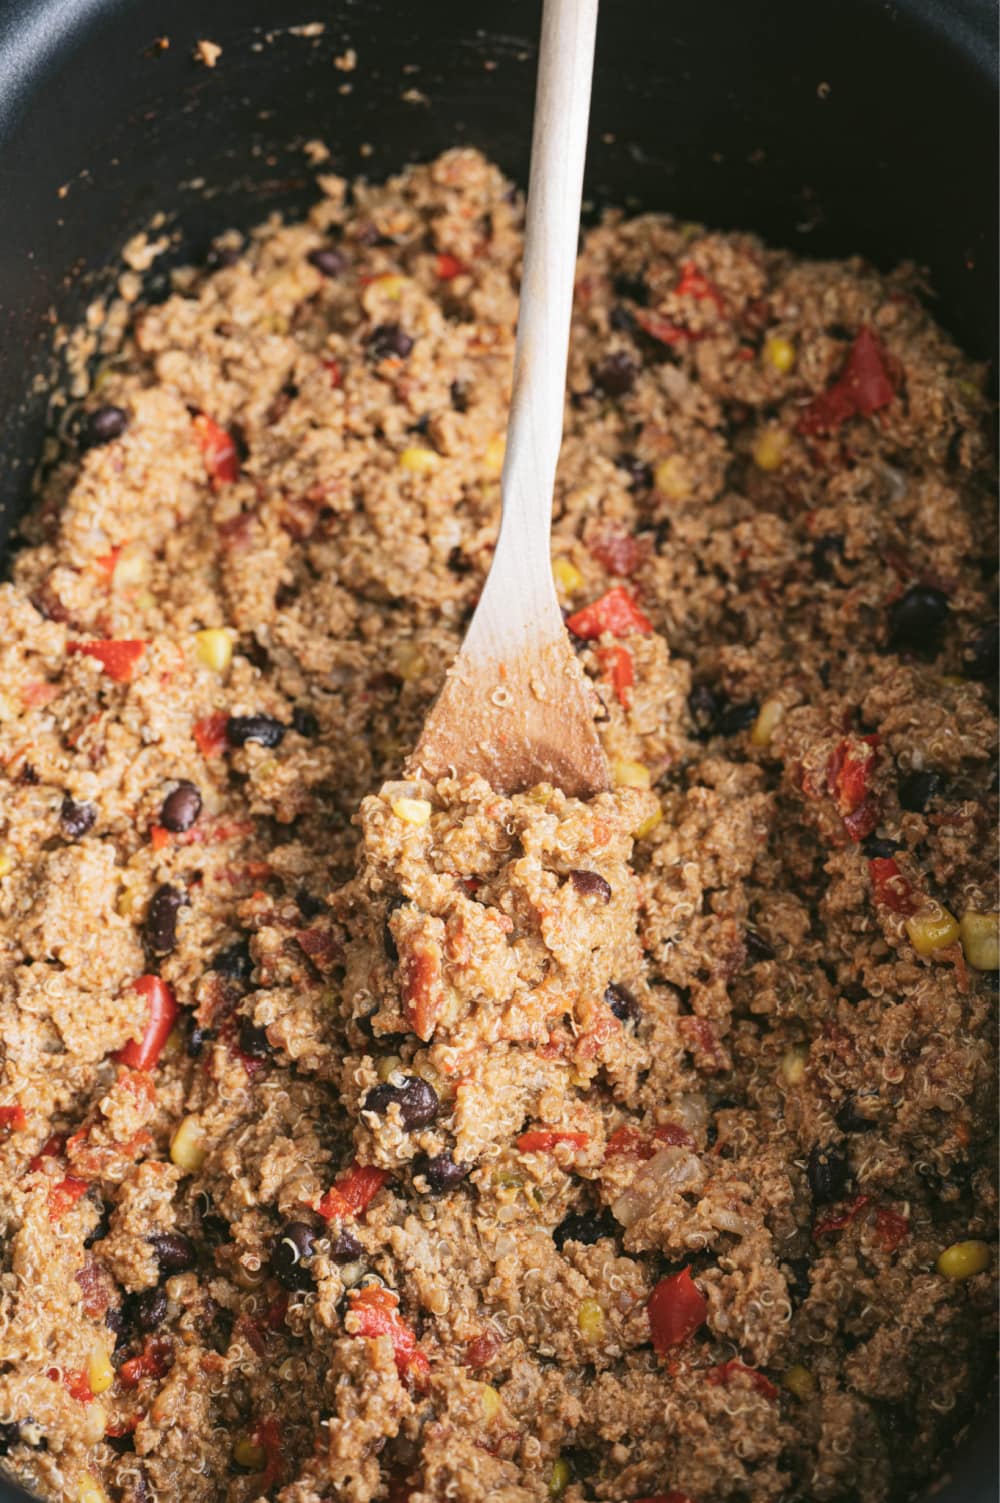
pixel 854 126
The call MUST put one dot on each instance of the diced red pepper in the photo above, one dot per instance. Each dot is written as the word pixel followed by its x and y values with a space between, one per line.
pixel 267 1435
pixel 221 458
pixel 615 612
pixel 13 1119
pixel 447 266
pixel 862 388
pixel 617 667
pixel 849 772
pixel 163 1011
pixel 891 1229
pixel 150 1363
pixel 721 1375
pixel 376 1312
pixel 618 552
pixel 334 371
pixel 663 330
pixel 480 1351
pixel 676 1309
pixel 107 563
pixel 353 1192
pixel 671 1134
pixel 628 1142
pixel 50 1149
pixel 422 985
pixel 540 1140
pixel 75 1382
pixel 117 1428
pixel 890 887
pixel 841 1218
pixel 694 283
pixel 862 820
pixel 159 837
pixel 210 733
pixel 66 1194
pixel 118 659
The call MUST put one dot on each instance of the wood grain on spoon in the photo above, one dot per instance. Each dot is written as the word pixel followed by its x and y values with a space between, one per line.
pixel 516 706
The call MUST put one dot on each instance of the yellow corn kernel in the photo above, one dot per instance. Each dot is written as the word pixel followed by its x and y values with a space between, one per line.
pixel 89 1491
pixel 410 662
pixel 129 902
pixel 800 1382
pixel 648 825
pixel 6 863
pixel 187 1146
pixel 415 811
pixel 793 1064
pixel 628 774
pixel 932 929
pixel 419 461
pixel 491 1402
pixel 390 284
pixel 962 1260
pixel 770 448
pixel 100 1373
pixel 981 940
pixel 567 575
pixel 247 1453
pixel 590 1319
pixel 388 1065
pixel 559 1478
pixel 493 457
pixel 671 477
pixel 214 648
pixel 764 726
pixel 779 353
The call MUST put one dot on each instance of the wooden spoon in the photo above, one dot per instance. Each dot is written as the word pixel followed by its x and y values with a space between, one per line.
pixel 516 707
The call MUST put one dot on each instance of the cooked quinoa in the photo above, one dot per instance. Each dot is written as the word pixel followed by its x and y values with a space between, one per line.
pixel 368 1142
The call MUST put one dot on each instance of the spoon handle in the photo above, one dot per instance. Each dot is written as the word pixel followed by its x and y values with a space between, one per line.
pixel 534 433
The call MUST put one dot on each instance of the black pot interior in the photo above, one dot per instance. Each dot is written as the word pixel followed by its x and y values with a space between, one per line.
pixel 852 127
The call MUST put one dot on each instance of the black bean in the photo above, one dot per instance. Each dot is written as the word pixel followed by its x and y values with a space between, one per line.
pixel 622 319
pixel 459 397
pixel 305 723
pixel 76 819
pixel 175 1253
pixel 705 708
pixel 591 885
pixel 875 846
pixel 293 1245
pixel 345 1247
pixel 196 1041
pixel 160 928
pixel 827 1172
pixel 180 808
pixel 263 729
pixel 102 425
pixel 387 940
pixel 149 1309
pixel 389 340
pixel 916 789
pixel 757 947
pixel 10 1436
pixel 633 287
pixel 797 1272
pixel 980 653
pixel 640 474
pixel 587 1227
pixel 917 620
pixel 738 717
pixel 253 1040
pixel 234 963
pixel 309 907
pixel 850 1118
pixel 622 1003
pixel 615 374
pixel 222 255
pixel 28 774
pixel 327 260
pixel 417 1100
pixel 826 551
pixel 441 1171
pixel 102 1228
pixel 114 1319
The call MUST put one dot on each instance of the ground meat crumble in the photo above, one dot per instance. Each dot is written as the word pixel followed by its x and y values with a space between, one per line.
pixel 481 1147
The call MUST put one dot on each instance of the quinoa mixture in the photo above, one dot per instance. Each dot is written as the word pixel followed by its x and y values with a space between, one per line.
pixel 368 1142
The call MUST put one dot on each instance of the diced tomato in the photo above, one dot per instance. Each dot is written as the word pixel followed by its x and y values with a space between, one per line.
pixel 66 1194
pixel 150 1363
pixel 849 772
pixel 267 1435
pixel 480 1351
pixel 837 1220
pixel 334 371
pixel 106 563
pixel 353 1192
pixel 862 388
pixel 159 837
pixel 890 887
pixel 120 1427
pixel 118 659
pixel 274 1315
pixel 162 1014
pixel 541 1140
pixel 50 1149
pixel 447 266
pixel 210 733
pixel 676 1309
pixel 891 1229
pixel 13 1119
pixel 694 283
pixel 221 458
pixel 376 1313
pixel 663 330
pixel 673 1135
pixel 863 819
pixel 615 612
pixel 721 1375
pixel 618 552
pixel 422 985
pixel 38 693
pixel 617 667
pixel 75 1382
pixel 627 1142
